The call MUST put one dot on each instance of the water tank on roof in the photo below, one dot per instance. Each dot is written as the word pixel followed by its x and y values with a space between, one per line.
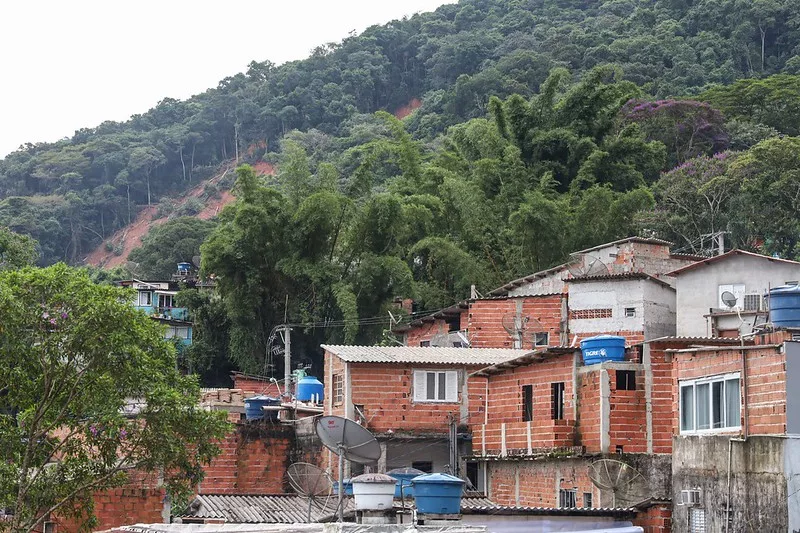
pixel 184 268
pixel 784 306
pixel 253 408
pixel 438 493
pixel 310 389
pixel 373 492
pixel 603 348
pixel 404 477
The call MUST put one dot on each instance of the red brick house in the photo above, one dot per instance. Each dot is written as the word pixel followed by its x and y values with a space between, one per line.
pixel 409 397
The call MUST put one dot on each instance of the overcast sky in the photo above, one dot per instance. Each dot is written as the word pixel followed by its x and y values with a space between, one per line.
pixel 68 65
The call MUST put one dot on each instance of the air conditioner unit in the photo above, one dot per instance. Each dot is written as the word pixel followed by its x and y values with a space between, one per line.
pixel 690 497
pixel 754 302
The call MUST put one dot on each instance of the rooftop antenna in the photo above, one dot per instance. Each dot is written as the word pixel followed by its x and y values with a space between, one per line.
pixel 613 475
pixel 347 439
pixel 312 483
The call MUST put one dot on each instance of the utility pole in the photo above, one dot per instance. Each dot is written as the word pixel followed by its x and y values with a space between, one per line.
pixel 287 360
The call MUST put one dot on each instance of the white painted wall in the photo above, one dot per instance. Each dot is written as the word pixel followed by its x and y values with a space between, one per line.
pixel 698 288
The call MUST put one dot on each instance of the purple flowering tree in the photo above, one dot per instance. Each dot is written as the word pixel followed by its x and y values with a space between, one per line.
pixel 686 127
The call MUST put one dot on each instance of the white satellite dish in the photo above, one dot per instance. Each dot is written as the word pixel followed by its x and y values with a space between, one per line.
pixel 347 439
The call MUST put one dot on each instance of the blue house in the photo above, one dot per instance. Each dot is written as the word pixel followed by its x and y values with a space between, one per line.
pixel 157 300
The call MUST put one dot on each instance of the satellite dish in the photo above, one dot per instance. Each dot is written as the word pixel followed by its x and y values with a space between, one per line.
pixel 312 483
pixel 588 265
pixel 533 328
pixel 613 475
pixel 729 299
pixel 514 324
pixel 350 441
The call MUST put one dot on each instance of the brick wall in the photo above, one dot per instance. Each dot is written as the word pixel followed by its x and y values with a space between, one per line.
pixel 251 385
pixel 655 519
pixel 253 460
pixel 588 428
pixel 424 332
pixel 661 399
pixel 765 382
pixel 537 484
pixel 627 415
pixel 631 337
pixel 141 500
pixel 485 319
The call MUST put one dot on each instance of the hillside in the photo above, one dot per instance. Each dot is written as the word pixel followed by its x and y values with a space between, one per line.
pixel 73 194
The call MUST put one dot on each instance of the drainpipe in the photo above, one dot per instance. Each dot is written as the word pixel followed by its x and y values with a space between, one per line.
pixel 743 390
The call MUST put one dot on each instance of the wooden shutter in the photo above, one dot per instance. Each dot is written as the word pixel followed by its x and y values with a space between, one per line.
pixel 451 392
pixel 419 386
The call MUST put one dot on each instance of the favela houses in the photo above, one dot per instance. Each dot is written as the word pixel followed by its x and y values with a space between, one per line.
pixel 479 266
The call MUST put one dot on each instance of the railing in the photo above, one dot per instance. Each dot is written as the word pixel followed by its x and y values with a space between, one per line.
pixel 522 438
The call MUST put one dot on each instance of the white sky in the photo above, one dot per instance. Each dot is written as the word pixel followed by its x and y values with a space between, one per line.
pixel 65 65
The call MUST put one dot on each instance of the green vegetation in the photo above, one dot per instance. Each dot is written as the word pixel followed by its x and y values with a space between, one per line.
pixel 544 127
pixel 73 355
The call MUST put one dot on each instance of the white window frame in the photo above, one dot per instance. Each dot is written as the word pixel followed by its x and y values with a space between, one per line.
pixel 708 380
pixel 145 302
pixel 450 393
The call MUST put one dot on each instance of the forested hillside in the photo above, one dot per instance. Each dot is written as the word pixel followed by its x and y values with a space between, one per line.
pixel 544 127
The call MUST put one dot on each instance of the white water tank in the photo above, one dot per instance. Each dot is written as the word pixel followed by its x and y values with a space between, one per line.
pixel 373 492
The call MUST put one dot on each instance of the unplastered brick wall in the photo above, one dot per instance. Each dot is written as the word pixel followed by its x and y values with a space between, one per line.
pixel 655 519
pixel 334 376
pixel 485 319
pixel 537 483
pixel 660 365
pixel 426 331
pixel 253 460
pixel 627 412
pixel 386 395
pixel 588 426
pixel 253 385
pixel 765 382
pixel 631 336
pixel 505 409
pixel 141 500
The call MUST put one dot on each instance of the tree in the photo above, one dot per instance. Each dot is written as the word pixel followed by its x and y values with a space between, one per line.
pixel 73 356
pixel 167 245
pixel 16 251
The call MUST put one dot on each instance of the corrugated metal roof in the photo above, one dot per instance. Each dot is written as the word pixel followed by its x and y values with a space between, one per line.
pixel 424 354
pixel 485 506
pixel 260 509
pixel 619 277
pixel 693 340
pixel 526 359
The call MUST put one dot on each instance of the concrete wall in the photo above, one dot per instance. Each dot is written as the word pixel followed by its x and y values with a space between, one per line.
pixel 792 350
pixel 759 484
pixel 653 304
pixel 698 288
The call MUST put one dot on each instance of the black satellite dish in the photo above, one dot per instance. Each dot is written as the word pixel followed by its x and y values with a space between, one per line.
pixel 350 441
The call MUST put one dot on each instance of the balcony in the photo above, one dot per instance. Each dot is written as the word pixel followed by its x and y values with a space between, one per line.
pixel 506 439
pixel 166 313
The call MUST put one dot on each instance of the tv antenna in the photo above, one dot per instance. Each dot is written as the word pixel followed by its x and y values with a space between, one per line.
pixel 312 483
pixel 587 265
pixel 347 439
pixel 613 475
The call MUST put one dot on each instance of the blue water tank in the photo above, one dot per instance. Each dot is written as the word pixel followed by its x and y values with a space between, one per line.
pixel 784 306
pixel 253 405
pixel 404 477
pixel 184 268
pixel 438 493
pixel 347 484
pixel 310 389
pixel 603 348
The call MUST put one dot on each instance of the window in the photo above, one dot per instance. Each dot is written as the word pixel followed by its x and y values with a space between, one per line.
pixel 587 500
pixel 567 498
pixel 630 312
pixel 425 344
pixel 472 474
pixel 177 332
pixel 527 403
pixel 626 380
pixel 587 314
pixel 710 404
pixel 145 299
pixel 436 386
pixel 164 300
pixel 541 339
pixel 697 520
pixel 338 389
pixel 425 466
pixel 557 405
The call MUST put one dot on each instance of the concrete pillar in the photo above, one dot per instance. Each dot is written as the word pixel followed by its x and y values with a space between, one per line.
pixel 383 459
pixel 605 411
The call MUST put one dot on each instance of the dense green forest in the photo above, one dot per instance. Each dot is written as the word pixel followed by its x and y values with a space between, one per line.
pixel 544 127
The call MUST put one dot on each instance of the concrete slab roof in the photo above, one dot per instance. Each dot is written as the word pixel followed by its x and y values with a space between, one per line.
pixel 424 354
pixel 728 255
